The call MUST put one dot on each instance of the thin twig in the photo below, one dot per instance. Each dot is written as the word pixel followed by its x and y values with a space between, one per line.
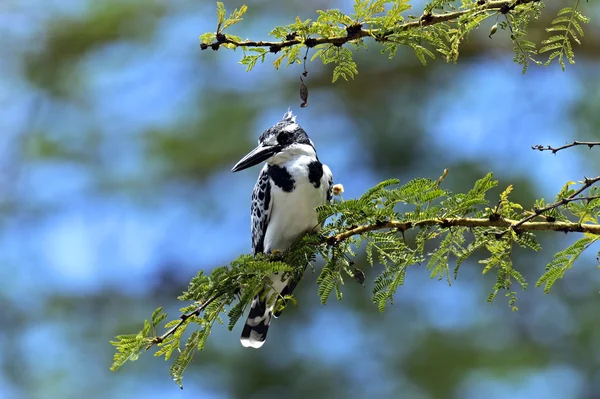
pixel 549 218
pixel 590 144
pixel 183 317
pixel 587 183
pixel 356 32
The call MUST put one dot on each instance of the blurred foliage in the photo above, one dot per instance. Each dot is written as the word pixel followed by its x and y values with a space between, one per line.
pixel 205 143
pixel 55 67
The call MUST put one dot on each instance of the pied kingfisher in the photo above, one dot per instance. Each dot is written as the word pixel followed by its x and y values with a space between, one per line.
pixel 291 185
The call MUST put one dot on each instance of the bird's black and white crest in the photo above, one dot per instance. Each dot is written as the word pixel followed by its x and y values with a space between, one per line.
pixel 291 185
pixel 285 133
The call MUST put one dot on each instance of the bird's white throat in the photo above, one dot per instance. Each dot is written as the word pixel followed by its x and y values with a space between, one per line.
pixel 293 152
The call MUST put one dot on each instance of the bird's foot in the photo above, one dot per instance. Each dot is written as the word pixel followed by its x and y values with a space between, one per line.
pixel 277 255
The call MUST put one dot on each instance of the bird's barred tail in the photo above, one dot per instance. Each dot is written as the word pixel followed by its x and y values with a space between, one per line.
pixel 255 330
pixel 257 324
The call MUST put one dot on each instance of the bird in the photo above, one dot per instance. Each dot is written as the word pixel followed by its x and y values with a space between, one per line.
pixel 291 185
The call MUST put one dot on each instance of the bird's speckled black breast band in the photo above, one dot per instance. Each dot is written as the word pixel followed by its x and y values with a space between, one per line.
pixel 282 178
pixel 315 173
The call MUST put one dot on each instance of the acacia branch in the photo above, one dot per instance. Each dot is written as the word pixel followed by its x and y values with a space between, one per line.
pixel 566 227
pixel 494 220
pixel 590 144
pixel 355 32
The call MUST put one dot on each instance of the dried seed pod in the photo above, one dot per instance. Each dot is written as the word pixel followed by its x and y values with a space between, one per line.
pixel 303 93
pixel 493 30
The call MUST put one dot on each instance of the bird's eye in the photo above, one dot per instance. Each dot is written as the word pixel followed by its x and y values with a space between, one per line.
pixel 284 138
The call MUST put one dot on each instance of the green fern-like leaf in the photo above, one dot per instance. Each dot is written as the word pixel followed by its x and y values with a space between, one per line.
pixel 378 189
pixel 415 192
pixel 172 342
pixel 342 57
pixel 564 261
pixel 451 244
pixel 250 60
pixel 185 357
pixel 328 280
pixel 236 311
pixel 396 263
pixel 330 277
pixel 566 27
pixel 129 346
pixel 158 316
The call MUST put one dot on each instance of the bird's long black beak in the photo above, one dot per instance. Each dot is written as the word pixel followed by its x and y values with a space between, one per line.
pixel 256 156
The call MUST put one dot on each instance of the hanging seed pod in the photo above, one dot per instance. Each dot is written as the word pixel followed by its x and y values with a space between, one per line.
pixel 493 30
pixel 303 93
pixel 358 275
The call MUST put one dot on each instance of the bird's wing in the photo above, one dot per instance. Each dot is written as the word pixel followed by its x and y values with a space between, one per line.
pixel 261 210
pixel 327 183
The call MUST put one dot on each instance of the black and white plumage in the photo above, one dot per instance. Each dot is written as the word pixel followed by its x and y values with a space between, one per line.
pixel 291 185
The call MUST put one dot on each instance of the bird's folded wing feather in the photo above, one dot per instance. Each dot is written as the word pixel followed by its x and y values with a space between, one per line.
pixel 261 210
pixel 328 179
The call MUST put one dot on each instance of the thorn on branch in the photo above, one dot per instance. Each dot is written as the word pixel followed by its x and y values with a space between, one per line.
pixel 203 46
pixel 310 42
pixel 518 232
pixel 426 17
pixel 353 31
pixel 291 36
pixel 506 8
pixel 480 2
pixel 550 219
pixel 221 38
pixel 494 217
pixel 215 46
pixel 274 49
